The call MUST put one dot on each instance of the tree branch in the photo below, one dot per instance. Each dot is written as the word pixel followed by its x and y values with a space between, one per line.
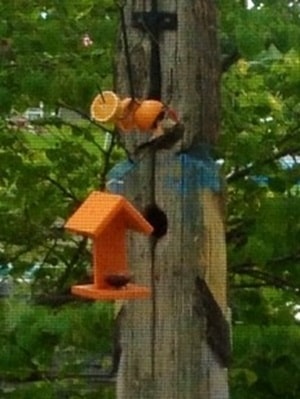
pixel 267 278
pixel 84 116
pixel 59 122
pixel 229 59
pixel 272 262
pixel 66 192
pixel 73 261
pixel 243 172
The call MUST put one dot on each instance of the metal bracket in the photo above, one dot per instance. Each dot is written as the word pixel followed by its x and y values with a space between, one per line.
pixel 154 21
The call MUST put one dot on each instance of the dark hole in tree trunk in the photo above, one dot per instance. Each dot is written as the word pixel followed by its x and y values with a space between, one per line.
pixel 158 220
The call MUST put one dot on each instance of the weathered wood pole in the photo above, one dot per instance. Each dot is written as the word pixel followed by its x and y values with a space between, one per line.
pixel 175 346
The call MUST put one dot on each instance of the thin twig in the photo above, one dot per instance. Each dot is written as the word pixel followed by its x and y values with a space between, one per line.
pixel 275 281
pixel 65 191
pixel 81 247
pixel 243 172
pixel 101 92
pixel 126 50
pixel 84 116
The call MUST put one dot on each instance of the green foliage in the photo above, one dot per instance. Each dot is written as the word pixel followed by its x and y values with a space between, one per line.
pixel 45 57
pixel 39 346
pixel 45 177
pixel 47 168
pixel 266 364
pixel 260 119
pixel 260 125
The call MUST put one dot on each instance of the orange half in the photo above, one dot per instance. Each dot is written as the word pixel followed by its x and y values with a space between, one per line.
pixel 105 107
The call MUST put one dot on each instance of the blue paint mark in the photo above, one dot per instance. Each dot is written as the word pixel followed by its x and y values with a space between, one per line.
pixel 200 173
pixel 115 177
pixel 194 173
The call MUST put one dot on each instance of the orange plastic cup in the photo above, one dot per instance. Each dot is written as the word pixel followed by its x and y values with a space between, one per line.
pixel 147 113
pixel 125 121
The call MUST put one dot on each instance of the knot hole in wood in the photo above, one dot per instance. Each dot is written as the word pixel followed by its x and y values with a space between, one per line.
pixel 157 218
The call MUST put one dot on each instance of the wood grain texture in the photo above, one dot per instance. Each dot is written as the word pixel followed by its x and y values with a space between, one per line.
pixel 213 250
pixel 191 56
pixel 165 352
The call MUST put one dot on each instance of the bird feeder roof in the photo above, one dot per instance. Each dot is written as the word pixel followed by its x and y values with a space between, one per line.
pixel 100 209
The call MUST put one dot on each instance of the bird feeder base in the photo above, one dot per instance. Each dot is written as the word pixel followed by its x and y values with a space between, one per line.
pixel 130 291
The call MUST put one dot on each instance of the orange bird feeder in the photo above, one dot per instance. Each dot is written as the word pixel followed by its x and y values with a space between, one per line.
pixel 104 218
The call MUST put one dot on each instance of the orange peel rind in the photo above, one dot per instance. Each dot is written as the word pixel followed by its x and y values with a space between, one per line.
pixel 105 107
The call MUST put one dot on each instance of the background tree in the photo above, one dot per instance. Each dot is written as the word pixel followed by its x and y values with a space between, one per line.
pixel 260 148
pixel 47 167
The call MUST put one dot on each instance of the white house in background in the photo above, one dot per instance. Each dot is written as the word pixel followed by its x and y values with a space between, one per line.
pixel 32 114
pixel 21 120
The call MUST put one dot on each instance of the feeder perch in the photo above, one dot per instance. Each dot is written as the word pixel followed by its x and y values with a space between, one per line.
pixel 105 218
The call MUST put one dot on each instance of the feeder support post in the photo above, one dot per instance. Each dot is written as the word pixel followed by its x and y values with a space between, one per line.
pixel 176 345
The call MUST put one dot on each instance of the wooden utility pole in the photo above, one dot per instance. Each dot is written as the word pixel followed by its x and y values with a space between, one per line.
pixel 176 345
